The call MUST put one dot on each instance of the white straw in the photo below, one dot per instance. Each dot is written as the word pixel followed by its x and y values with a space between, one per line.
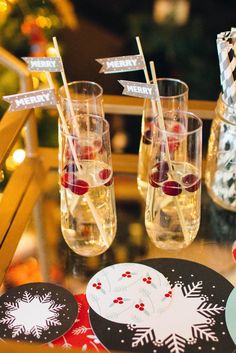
pixel 162 126
pixel 140 49
pixel 65 84
pixel 64 78
pixel 72 147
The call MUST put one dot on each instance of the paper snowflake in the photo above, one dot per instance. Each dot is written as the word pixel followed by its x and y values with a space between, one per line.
pixel 188 318
pixel 31 314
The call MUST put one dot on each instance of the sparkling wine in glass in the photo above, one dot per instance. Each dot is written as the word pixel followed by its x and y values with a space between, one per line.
pixel 88 212
pixel 173 203
pixel 173 96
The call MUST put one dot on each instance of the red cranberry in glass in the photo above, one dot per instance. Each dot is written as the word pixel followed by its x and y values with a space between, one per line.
pixel 87 152
pixel 171 188
pixel 68 151
pixel 156 178
pixel 173 144
pixel 104 174
pixel 64 180
pixel 109 182
pixel 191 182
pixel 178 128
pixel 80 187
pixel 67 178
pixel 162 167
pixel 97 144
pixel 147 137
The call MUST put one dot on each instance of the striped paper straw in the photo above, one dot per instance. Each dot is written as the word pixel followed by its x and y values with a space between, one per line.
pixel 227 61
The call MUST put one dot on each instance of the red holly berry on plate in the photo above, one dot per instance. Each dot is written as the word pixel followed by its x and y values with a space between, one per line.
pixel 127 274
pixel 148 280
pixel 140 306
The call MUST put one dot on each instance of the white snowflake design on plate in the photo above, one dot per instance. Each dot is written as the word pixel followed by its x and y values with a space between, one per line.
pixel 196 324
pixel 19 318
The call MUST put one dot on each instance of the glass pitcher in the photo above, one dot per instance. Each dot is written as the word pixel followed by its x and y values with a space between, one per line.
pixel 221 157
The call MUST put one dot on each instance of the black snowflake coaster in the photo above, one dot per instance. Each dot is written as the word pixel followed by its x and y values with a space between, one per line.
pixel 36 312
pixel 194 322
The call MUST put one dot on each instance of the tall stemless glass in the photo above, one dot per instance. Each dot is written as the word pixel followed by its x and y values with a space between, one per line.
pixel 86 98
pixel 172 215
pixel 88 212
pixel 173 96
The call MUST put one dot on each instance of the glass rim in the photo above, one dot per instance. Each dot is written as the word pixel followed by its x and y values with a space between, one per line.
pixel 97 117
pixel 73 83
pixel 184 133
pixel 171 79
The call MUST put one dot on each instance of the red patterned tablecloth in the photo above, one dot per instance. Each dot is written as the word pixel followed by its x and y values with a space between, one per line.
pixel 81 334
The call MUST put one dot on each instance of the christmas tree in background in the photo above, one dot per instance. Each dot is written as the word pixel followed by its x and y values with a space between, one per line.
pixel 27 28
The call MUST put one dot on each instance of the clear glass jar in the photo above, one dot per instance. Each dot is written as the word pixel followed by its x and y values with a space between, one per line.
pixel 220 173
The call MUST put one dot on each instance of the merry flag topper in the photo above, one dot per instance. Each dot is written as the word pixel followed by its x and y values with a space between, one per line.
pixel 139 89
pixel 39 98
pixel 43 64
pixel 130 63
pixel 121 64
pixel 33 99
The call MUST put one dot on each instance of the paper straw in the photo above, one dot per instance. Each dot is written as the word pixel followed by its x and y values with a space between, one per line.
pixel 226 71
pixel 72 147
pixel 64 80
pixel 162 126
pixel 145 72
pixel 65 83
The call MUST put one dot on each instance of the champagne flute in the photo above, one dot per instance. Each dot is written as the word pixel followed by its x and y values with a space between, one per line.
pixel 86 98
pixel 173 96
pixel 172 215
pixel 89 179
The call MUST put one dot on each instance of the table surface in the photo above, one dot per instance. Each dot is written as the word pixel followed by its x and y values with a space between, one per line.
pixel 45 255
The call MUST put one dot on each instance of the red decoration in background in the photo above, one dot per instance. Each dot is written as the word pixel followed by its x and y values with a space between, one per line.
pixel 234 251
pixel 36 37
pixel 28 271
pixel 81 334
